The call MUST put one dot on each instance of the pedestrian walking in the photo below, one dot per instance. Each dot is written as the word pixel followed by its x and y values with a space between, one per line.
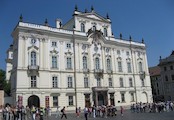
pixel 121 110
pixel 86 112
pixel 63 113
pixel 57 112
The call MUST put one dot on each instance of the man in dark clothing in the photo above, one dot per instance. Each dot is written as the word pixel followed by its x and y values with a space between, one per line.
pixel 63 113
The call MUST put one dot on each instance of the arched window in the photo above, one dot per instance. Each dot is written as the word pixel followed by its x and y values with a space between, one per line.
pixel 94 28
pixel 82 27
pixel 108 64
pixel 140 65
pixel 105 32
pixel 84 62
pixel 33 58
pixel 97 63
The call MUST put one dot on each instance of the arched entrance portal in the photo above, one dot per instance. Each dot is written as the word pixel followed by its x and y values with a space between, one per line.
pixel 100 99
pixel 33 100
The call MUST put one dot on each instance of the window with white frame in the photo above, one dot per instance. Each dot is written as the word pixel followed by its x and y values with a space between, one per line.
pixel 33 58
pixel 97 63
pixel 140 65
pixel 121 82
pixel 98 82
pixel 108 64
pixel 122 97
pixel 82 27
pixel 70 100
pixel 120 66
pixel 68 45
pixel 54 44
pixel 132 97
pixel 86 82
pixel 84 62
pixel 55 101
pixel 69 63
pixel 142 82
pixel 130 82
pixel 54 61
pixel 105 32
pixel 54 82
pixel 129 70
pixel 110 82
pixel 70 84
pixel 33 81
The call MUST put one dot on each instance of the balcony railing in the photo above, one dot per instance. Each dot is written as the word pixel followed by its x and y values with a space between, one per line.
pixel 99 71
pixel 142 74
pixel 86 70
pixel 33 67
pixel 109 71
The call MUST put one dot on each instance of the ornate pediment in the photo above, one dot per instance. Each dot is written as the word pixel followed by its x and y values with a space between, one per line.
pixel 33 47
pixel 54 51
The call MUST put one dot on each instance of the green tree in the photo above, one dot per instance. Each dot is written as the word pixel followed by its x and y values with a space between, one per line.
pixel 3 83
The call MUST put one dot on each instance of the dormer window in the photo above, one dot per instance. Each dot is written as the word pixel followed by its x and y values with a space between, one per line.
pixel 105 32
pixel 82 27
pixel 94 28
pixel 54 44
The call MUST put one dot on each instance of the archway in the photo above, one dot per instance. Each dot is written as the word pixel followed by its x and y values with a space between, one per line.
pixel 33 100
pixel 100 99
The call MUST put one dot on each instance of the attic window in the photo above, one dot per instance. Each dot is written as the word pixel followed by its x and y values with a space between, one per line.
pixel 82 27
pixel 105 32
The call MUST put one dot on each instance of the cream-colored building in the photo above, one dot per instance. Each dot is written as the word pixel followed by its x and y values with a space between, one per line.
pixel 76 64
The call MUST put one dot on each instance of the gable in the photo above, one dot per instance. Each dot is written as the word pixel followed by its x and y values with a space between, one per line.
pixel 93 16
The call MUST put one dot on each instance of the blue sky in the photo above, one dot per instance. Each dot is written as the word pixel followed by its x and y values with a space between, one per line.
pixel 152 20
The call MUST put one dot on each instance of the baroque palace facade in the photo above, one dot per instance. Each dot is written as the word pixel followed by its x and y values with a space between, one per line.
pixel 76 64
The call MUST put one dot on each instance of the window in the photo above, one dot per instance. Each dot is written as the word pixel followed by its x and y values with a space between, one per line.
pixel 166 78
pixel 70 85
pixel 33 58
pixel 105 32
pixel 68 45
pixel 98 82
pixel 54 44
pixel 55 101
pixel 129 70
pixel 84 62
pixel 108 64
pixel 122 97
pixel 121 82
pixel 110 82
pixel 33 81
pixel 86 83
pixel 70 98
pixel 119 66
pixel 127 53
pixel 54 61
pixel 171 67
pixel 172 77
pixel 69 65
pixel 94 28
pixel 165 68
pixel 97 63
pixel 130 82
pixel 82 27
pixel 54 82
pixel 132 97
pixel 142 82
pixel 118 52
pixel 140 65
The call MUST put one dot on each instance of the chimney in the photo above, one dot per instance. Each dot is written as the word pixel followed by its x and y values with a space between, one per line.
pixel 58 23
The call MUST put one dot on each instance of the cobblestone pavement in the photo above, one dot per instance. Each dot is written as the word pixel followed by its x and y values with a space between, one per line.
pixel 127 116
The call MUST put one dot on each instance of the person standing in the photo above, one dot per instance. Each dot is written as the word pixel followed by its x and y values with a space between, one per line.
pixel 63 113
pixel 86 112
pixel 121 110
pixel 57 112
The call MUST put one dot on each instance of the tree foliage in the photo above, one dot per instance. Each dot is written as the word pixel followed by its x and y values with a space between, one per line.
pixel 4 85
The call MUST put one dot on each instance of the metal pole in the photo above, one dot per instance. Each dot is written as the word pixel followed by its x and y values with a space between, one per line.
pixel 133 74
pixel 75 86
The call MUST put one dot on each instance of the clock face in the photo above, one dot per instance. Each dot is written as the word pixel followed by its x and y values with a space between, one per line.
pixel 95 48
pixel 33 41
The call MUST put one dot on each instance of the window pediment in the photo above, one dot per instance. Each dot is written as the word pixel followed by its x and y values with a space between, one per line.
pixel 33 48
pixel 54 51
pixel 119 58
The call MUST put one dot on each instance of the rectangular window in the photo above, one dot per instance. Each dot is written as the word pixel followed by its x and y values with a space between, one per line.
pixel 130 82
pixel 132 97
pixel 122 97
pixel 55 101
pixel 166 77
pixel 121 82
pixel 70 100
pixel 54 44
pixel 165 68
pixel 86 83
pixel 127 53
pixel 110 82
pixel 54 61
pixel 142 82
pixel 68 45
pixel 172 77
pixel 98 82
pixel 120 67
pixel 171 67
pixel 129 70
pixel 33 81
pixel 70 82
pixel 54 82
pixel 69 63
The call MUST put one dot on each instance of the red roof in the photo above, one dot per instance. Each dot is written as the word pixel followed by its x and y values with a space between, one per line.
pixel 154 71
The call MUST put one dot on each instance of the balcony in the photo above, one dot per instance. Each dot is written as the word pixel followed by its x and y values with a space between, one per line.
pixel 85 70
pixel 33 70
pixel 98 73
pixel 109 71
pixel 142 74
